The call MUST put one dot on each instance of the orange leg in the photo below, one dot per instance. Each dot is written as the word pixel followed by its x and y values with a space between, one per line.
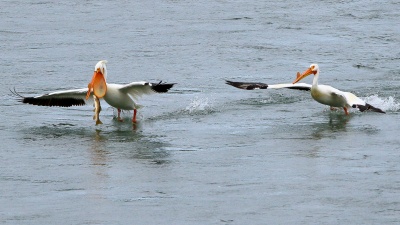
pixel 119 116
pixel 134 116
pixel 345 111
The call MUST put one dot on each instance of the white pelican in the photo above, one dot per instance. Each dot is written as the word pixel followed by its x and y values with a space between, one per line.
pixel 120 96
pixel 333 97
pixel 321 93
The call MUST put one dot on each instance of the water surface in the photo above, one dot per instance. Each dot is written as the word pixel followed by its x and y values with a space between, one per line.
pixel 204 153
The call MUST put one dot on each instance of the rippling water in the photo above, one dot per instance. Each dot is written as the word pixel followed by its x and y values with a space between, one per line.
pixel 204 153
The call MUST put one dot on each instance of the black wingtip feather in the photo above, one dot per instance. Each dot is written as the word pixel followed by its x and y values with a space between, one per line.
pixel 60 102
pixel 161 87
pixel 368 107
pixel 48 101
pixel 300 88
pixel 247 85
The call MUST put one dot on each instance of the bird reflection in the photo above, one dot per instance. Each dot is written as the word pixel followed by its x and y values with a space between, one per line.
pixel 99 156
pixel 98 149
pixel 336 123
pixel 127 143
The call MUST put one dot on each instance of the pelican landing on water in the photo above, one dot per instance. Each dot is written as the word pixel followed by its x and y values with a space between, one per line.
pixel 323 94
pixel 120 96
pixel 333 97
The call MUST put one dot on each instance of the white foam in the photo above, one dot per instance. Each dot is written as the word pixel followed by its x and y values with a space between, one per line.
pixel 199 105
pixel 386 104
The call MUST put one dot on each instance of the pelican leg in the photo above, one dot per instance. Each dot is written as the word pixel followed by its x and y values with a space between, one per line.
pixel 119 116
pixel 134 116
pixel 345 111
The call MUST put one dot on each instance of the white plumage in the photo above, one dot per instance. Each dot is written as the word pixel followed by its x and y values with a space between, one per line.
pixel 120 96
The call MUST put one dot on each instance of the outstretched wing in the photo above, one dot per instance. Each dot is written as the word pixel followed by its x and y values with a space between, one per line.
pixel 247 85
pixel 67 98
pixel 358 103
pixel 258 85
pixel 137 89
pixel 352 100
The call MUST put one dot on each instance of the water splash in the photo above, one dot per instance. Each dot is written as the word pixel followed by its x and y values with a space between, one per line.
pixel 386 104
pixel 199 105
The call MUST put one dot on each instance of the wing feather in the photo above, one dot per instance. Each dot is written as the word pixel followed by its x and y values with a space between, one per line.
pixel 247 85
pixel 358 103
pixel 67 98
pixel 259 85
pixel 355 102
pixel 296 86
pixel 352 99
pixel 137 89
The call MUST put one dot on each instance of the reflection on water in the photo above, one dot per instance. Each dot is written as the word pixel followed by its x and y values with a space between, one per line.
pixel 115 141
pixel 98 150
pixel 338 122
pixel 335 123
pixel 99 162
pixel 317 136
pixel 140 147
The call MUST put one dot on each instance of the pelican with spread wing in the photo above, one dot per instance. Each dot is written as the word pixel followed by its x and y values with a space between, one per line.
pixel 323 94
pixel 120 96
pixel 333 97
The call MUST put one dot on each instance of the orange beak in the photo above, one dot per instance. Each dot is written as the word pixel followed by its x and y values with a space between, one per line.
pixel 301 76
pixel 97 85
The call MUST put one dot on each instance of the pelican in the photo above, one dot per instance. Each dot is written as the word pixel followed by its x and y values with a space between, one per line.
pixel 333 97
pixel 120 96
pixel 323 94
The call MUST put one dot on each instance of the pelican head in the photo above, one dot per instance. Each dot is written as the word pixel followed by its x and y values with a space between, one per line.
pixel 313 69
pixel 101 68
pixel 98 84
